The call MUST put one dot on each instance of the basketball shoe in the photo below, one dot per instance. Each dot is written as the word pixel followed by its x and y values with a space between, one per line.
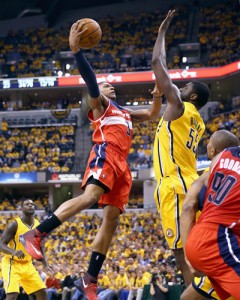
pixel 31 241
pixel 88 286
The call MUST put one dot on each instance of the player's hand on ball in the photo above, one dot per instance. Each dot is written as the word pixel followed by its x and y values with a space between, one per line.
pixel 75 35
pixel 166 22
pixel 19 254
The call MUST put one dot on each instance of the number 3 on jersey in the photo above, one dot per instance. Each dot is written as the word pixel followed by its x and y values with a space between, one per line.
pixel 193 140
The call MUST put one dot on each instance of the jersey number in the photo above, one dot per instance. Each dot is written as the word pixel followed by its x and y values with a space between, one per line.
pixel 192 143
pixel 221 185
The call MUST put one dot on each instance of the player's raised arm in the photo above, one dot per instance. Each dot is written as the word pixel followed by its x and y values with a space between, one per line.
pixel 151 113
pixel 96 100
pixel 170 91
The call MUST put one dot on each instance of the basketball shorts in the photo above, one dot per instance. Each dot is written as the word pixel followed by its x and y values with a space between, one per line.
pixel 214 250
pixel 20 273
pixel 108 166
pixel 169 205
pixel 203 286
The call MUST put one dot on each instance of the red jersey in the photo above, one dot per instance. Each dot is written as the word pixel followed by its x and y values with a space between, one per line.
pixel 222 202
pixel 113 127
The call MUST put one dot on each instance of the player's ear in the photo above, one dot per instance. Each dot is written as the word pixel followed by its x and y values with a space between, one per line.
pixel 214 152
pixel 193 97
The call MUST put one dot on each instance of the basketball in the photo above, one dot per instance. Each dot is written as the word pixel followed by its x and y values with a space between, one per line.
pixel 92 36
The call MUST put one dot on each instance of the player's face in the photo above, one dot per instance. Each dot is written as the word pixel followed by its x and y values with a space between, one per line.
pixel 28 207
pixel 107 90
pixel 186 91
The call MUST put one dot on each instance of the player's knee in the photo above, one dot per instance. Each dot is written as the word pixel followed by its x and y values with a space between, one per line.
pixel 12 296
pixel 41 294
pixel 179 256
pixel 111 214
pixel 92 194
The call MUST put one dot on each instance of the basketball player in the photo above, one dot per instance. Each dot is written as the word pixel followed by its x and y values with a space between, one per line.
pixel 17 267
pixel 212 246
pixel 176 141
pixel 107 178
pixel 201 287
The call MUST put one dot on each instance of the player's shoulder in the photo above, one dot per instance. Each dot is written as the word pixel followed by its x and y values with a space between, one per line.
pixel 234 151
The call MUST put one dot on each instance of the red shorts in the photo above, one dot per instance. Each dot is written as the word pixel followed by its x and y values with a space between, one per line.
pixel 214 250
pixel 108 166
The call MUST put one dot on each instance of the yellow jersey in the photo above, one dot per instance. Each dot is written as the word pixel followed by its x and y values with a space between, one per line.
pixel 16 244
pixel 175 145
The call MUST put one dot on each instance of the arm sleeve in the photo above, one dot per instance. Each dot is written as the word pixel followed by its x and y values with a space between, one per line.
pixel 87 74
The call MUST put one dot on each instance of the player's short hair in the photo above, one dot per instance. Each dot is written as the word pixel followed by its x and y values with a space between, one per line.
pixel 24 200
pixel 203 92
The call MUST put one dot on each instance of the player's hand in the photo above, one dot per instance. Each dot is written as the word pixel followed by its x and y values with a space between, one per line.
pixel 19 254
pixel 156 92
pixel 166 22
pixel 75 35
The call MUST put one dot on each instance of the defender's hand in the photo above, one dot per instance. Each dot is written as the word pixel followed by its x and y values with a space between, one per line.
pixel 166 22
pixel 156 92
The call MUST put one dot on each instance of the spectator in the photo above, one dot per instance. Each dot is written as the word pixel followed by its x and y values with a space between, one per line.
pixel 53 286
pixel 157 290
pixel 68 287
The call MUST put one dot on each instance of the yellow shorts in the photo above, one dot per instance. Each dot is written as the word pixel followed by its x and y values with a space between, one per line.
pixel 203 286
pixel 20 273
pixel 169 205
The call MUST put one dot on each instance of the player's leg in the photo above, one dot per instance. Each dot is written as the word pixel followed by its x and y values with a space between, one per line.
pixel 181 263
pixel 32 239
pixel 11 296
pixel 113 203
pixel 170 206
pixel 101 244
pixel 31 282
pixel 11 274
pixel 94 189
pixel 200 289
pixel 41 294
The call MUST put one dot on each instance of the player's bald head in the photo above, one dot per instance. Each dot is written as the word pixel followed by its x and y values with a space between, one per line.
pixel 223 139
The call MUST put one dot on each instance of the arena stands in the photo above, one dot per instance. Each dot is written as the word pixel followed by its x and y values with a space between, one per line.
pixel 37 149
pixel 126 44
pixel 218 34
pixel 138 246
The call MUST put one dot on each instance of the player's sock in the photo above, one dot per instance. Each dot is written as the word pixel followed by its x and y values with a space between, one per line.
pixel 95 264
pixel 48 225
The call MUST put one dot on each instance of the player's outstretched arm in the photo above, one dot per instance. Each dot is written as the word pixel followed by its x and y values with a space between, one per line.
pixel 171 92
pixel 96 100
pixel 153 112
pixel 190 207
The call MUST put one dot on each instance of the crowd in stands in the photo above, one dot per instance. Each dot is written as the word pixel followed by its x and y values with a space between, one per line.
pixel 140 156
pixel 12 203
pixel 228 120
pixel 52 148
pixel 219 34
pixel 5 105
pixel 138 250
pixel 36 149
pixel 126 44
